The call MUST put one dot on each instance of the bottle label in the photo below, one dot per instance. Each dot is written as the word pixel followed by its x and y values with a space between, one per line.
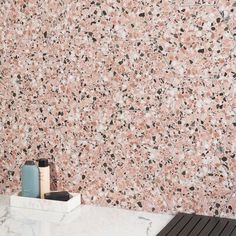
pixel 44 181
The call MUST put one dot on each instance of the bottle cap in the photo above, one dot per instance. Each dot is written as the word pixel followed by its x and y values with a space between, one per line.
pixel 43 162
pixel 29 163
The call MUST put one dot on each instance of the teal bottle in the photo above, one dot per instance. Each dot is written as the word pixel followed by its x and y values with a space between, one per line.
pixel 30 180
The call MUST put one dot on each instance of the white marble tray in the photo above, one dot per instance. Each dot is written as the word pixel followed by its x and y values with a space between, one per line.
pixel 44 204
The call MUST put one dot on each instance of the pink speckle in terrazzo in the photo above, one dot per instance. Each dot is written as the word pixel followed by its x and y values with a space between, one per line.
pixel 131 101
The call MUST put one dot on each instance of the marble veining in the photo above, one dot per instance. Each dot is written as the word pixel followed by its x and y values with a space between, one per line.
pixel 84 221
pixel 132 101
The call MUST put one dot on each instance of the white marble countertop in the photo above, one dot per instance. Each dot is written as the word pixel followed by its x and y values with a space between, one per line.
pixel 83 221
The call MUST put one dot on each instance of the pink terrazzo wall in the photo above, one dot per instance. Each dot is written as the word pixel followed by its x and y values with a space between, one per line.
pixel 133 101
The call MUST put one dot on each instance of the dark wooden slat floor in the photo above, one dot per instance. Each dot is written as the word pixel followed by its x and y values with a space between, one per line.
pixel 196 225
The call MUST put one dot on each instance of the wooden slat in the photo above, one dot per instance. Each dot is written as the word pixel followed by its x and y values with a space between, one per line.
pixel 199 227
pixel 210 226
pixel 180 226
pixel 220 227
pixel 191 225
pixel 233 233
pixel 228 229
pixel 171 225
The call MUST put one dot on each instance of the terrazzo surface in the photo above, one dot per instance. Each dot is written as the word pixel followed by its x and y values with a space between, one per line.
pixel 133 101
